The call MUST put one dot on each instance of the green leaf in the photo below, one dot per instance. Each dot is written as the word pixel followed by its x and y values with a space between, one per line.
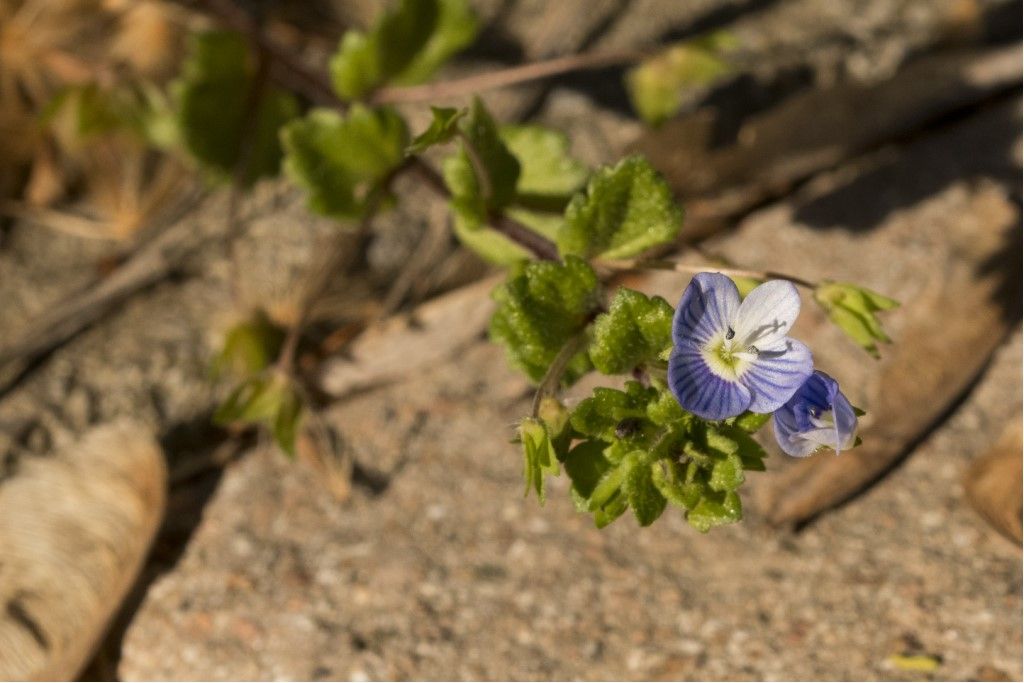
pixel 750 422
pixel 715 509
pixel 727 474
pixel 539 456
pixel 670 479
pixel 249 347
pixel 484 174
pixel 627 209
pixel 611 414
pixel 607 488
pixel 442 129
pixel 271 401
pixel 635 329
pixel 548 171
pixel 611 511
pixel 854 310
pixel 666 410
pixel 405 46
pixel 656 86
pixel 638 486
pixel 586 465
pixel 482 178
pixel 539 309
pixel 489 244
pixel 750 452
pixel 286 422
pixel 213 97
pixel 341 160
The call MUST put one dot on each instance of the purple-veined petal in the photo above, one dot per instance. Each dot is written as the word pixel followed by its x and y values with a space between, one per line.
pixel 777 373
pixel 699 390
pixel 818 415
pixel 788 435
pixel 707 308
pixel 767 313
pixel 846 422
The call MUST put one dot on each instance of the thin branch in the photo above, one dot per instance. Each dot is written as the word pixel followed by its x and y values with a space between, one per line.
pixel 504 78
pixel 540 246
pixel 290 71
pixel 553 377
pixel 338 257
pixel 675 266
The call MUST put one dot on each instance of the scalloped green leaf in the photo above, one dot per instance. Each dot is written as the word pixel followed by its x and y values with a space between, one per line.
pixel 548 170
pixel 636 329
pixel 212 98
pixel 627 209
pixel 539 309
pixel 340 160
pixel 638 486
pixel 405 46
pixel 715 509
pixel 611 415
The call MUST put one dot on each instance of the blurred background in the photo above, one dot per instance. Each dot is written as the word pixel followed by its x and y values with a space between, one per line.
pixel 870 141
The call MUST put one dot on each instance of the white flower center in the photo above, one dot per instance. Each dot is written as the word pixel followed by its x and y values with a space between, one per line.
pixel 727 357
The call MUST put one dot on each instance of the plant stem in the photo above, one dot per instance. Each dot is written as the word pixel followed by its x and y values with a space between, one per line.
pixel 553 377
pixel 291 71
pixel 504 78
pixel 661 264
pixel 337 258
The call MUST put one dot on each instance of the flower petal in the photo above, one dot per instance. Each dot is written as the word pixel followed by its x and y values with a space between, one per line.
pixel 767 313
pixel 707 308
pixel 789 436
pixel 777 373
pixel 702 392
pixel 846 422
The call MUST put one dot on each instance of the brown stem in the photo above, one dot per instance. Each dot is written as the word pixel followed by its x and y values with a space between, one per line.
pixel 658 264
pixel 288 70
pixel 540 246
pixel 503 78
pixel 243 163
pixel 553 377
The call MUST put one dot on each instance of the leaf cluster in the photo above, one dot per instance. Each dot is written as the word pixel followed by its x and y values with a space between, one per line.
pixel 637 449
pixel 854 310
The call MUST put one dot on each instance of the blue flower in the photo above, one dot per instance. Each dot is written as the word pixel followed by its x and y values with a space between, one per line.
pixel 728 356
pixel 818 416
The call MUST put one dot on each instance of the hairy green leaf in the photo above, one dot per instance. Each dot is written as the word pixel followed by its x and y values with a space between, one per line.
pixel 340 160
pixel 542 307
pixel 750 422
pixel 405 46
pixel 627 209
pixel 715 509
pixel 612 415
pixel 548 171
pixel 638 486
pixel 219 113
pixel 635 329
